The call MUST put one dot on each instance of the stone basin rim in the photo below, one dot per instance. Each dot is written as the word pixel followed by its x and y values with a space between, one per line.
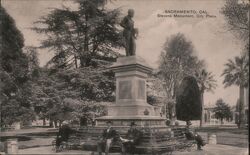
pixel 131 118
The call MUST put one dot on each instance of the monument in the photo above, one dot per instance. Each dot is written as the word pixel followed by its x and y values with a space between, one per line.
pixel 131 73
pixel 131 105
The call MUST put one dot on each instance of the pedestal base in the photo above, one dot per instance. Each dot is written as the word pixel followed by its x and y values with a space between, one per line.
pixel 133 110
pixel 141 121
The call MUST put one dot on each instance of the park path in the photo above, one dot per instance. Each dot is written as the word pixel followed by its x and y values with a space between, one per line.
pixel 216 149
pixel 209 149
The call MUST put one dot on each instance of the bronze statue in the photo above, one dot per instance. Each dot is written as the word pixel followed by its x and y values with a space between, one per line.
pixel 129 33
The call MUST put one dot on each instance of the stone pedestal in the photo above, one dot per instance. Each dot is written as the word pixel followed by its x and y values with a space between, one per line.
pixel 131 99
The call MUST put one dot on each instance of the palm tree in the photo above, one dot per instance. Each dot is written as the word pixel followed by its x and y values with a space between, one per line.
pixel 237 73
pixel 206 82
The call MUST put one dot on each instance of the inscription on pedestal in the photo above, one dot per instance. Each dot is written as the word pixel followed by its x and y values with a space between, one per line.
pixel 141 89
pixel 125 90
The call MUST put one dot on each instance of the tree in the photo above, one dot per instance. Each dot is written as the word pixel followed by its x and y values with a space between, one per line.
pixel 237 17
pixel 206 82
pixel 87 36
pixel 236 13
pixel 237 112
pixel 33 61
pixel 177 61
pixel 237 73
pixel 84 35
pixel 76 94
pixel 156 94
pixel 188 106
pixel 14 73
pixel 222 110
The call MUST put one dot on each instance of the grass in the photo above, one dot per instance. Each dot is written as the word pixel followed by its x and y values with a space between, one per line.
pixel 41 134
pixel 218 129
pixel 228 135
pixel 19 138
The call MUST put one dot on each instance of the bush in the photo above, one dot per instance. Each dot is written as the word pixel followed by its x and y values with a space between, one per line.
pixel 176 123
pixel 168 122
pixel 188 106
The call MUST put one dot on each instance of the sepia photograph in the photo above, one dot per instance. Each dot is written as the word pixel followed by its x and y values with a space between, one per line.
pixel 124 77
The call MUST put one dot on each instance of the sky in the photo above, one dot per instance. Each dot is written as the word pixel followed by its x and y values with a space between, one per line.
pixel 211 40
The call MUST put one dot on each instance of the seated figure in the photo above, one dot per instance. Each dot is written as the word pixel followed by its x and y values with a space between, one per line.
pixel 190 135
pixel 107 139
pixel 132 138
pixel 200 142
pixel 63 135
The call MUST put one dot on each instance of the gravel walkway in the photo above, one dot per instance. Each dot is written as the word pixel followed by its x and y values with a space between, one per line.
pixel 207 150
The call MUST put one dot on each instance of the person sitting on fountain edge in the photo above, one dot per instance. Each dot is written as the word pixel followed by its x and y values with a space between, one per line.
pixel 107 138
pixel 132 138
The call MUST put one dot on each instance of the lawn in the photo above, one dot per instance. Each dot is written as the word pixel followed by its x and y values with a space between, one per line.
pixel 216 129
pixel 226 135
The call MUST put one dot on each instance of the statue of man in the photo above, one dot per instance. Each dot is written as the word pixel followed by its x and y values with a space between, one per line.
pixel 129 33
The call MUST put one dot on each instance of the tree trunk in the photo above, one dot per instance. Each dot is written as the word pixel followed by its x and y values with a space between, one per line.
pixel 85 56
pixel 44 122
pixel 247 105
pixel 55 122
pixel 50 123
pixel 188 123
pixel 202 109
pixel 173 112
pixel 60 124
pixel 83 121
pixel 82 61
pixel 241 108
pixel 75 61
